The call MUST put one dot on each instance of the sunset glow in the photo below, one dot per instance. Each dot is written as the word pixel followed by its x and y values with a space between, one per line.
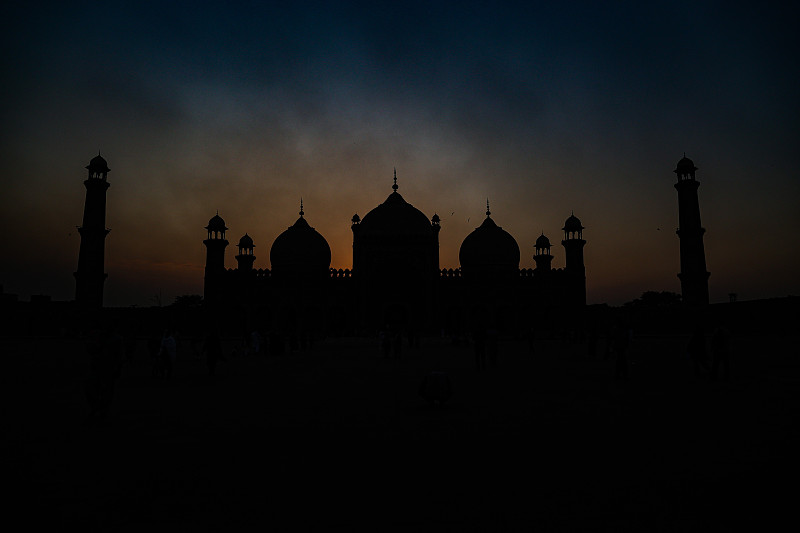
pixel 244 109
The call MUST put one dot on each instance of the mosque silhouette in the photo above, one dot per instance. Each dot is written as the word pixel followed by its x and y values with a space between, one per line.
pixel 396 281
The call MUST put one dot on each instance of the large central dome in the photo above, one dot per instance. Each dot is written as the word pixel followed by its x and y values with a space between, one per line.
pixel 395 216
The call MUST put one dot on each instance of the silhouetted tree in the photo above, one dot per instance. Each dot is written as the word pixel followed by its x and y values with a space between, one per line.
pixel 188 301
pixel 656 299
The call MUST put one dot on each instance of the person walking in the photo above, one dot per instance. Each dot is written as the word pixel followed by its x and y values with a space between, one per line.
pixel 213 350
pixel 720 354
pixel 105 349
pixel 620 341
pixel 697 352
pixel 168 353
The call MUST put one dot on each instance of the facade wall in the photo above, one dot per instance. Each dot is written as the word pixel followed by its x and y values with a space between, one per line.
pixel 341 304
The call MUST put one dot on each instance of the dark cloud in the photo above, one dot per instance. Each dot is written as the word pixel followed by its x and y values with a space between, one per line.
pixel 544 108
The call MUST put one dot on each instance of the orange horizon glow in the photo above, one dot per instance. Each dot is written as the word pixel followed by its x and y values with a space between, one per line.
pixel 246 109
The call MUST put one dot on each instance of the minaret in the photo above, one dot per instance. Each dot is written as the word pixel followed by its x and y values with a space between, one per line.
pixel 245 257
pixel 90 277
pixel 693 275
pixel 576 272
pixel 436 223
pixel 213 287
pixel 542 254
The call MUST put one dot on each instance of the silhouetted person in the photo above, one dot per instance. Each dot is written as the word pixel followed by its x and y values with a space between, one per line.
pixel 105 349
pixel 168 353
pixel 213 350
pixel 276 343
pixel 413 338
pixel 609 344
pixel 720 353
pixel 697 352
pixel 130 345
pixel 397 343
pixel 154 349
pixel 479 336
pixel 196 348
pixel 591 338
pixel 436 388
pixel 492 345
pixel 620 341
pixel 386 342
pixel 255 343
pixel 531 339
pixel 266 343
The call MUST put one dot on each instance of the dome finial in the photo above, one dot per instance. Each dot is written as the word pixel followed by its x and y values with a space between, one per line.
pixel 301 207
pixel 487 208
pixel 394 187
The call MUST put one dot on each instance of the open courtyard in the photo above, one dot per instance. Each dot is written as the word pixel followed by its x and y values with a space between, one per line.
pixel 338 438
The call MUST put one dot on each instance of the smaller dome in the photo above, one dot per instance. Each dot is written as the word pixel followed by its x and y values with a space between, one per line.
pixel 246 242
pixel 356 219
pixel 300 249
pixel 542 242
pixel 573 223
pixel 685 166
pixel 98 164
pixel 435 219
pixel 489 249
pixel 216 224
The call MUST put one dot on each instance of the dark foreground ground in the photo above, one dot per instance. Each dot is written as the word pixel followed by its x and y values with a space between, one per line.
pixel 339 439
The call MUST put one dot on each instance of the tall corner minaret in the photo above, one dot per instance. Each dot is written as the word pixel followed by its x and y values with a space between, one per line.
pixel 693 274
pixel 573 248
pixel 213 283
pixel 90 276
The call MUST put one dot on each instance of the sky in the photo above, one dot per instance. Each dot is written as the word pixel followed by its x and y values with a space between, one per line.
pixel 246 107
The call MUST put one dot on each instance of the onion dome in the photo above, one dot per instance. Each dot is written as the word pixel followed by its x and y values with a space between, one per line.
pixel 542 242
pixel 489 248
pixel 216 224
pixel 300 249
pixel 685 166
pixel 573 223
pixel 246 242
pixel 395 216
pixel 98 165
